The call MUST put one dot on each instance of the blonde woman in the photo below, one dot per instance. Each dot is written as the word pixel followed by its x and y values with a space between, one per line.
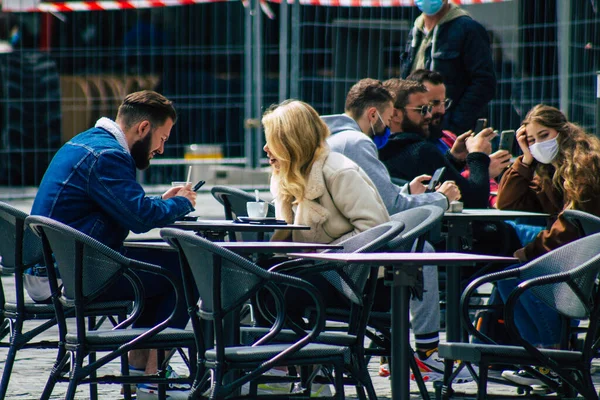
pixel 559 170
pixel 312 185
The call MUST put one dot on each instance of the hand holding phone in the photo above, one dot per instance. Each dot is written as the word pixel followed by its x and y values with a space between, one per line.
pixel 198 185
pixel 435 179
pixel 480 125
pixel 506 140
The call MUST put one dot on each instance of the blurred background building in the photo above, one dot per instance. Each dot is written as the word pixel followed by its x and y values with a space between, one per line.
pixel 224 62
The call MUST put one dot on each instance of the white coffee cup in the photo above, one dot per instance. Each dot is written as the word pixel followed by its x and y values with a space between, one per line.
pixel 257 209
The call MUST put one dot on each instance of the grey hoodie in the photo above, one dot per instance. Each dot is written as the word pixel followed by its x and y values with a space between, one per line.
pixel 347 138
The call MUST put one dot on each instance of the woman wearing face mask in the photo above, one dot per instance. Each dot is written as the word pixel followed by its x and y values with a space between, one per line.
pixel 559 170
pixel 312 185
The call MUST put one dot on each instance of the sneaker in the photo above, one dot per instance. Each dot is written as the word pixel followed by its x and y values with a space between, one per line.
pixel 432 369
pixel 384 370
pixel 175 391
pixel 271 387
pixel 523 377
pixel 316 389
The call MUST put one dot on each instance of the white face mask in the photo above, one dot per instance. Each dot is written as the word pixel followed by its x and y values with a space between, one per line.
pixel 545 152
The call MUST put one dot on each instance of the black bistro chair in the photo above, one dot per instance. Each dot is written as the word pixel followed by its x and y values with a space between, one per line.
pixel 225 281
pixel 20 249
pixel 234 205
pixel 420 224
pixel 586 223
pixel 565 280
pixel 88 268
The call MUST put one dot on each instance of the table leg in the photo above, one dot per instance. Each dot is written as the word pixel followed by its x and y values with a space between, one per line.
pixel 456 230
pixel 400 367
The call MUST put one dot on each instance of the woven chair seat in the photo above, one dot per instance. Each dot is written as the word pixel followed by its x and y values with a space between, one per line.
pixel 474 352
pixel 251 334
pixel 313 351
pixel 112 337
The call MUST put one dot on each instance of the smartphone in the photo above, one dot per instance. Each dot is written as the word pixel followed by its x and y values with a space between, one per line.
pixel 435 179
pixel 198 185
pixel 480 125
pixel 506 140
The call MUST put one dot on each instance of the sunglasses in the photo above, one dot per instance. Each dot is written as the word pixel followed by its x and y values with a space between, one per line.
pixel 436 103
pixel 423 110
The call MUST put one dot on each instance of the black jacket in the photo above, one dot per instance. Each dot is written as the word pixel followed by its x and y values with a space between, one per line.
pixel 408 155
pixel 462 54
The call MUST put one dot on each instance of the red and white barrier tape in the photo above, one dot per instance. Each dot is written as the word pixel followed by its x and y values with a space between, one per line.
pixel 13 6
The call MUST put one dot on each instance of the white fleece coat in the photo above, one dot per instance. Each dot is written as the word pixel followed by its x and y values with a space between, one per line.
pixel 340 201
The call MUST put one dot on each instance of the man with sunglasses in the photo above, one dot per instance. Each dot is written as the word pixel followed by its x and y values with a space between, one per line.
pixel 447 142
pixel 409 153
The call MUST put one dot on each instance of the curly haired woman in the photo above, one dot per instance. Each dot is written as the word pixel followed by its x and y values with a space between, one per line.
pixel 559 170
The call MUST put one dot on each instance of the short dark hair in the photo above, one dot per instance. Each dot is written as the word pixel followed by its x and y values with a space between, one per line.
pixel 402 89
pixel 146 105
pixel 425 75
pixel 364 94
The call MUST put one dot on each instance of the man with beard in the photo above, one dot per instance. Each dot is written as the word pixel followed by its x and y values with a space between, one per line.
pixel 361 129
pixel 409 153
pixel 357 134
pixel 447 142
pixel 91 186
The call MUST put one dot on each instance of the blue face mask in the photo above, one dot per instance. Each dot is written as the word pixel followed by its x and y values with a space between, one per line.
pixel 429 7
pixel 14 39
pixel 381 140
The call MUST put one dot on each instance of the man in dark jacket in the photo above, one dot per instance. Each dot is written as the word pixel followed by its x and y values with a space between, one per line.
pixel 408 153
pixel 446 39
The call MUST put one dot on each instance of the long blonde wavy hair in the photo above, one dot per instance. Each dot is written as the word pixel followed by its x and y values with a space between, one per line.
pixel 576 169
pixel 295 135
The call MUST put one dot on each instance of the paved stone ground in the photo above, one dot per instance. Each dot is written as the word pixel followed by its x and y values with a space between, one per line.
pixel 33 366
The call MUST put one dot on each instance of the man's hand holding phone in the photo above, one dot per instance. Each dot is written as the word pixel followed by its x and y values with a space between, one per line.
pixel 481 142
pixel 183 191
pixel 435 180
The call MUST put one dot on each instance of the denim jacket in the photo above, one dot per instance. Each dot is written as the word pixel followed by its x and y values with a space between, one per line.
pixel 461 52
pixel 91 186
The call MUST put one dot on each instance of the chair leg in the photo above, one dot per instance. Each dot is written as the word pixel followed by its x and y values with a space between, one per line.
pixel 483 381
pixel 8 366
pixel 417 373
pixel 61 360
pixel 76 364
pixel 365 378
pixel 17 327
pixel 339 380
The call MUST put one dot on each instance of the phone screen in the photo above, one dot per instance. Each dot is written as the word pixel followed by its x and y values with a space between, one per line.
pixel 480 125
pixel 506 140
pixel 435 179
pixel 198 185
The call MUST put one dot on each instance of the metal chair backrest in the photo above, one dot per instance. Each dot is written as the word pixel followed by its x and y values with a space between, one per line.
pixel 579 259
pixel 19 247
pixel 586 223
pixel 419 223
pixel 234 201
pixel 86 266
pixel 350 280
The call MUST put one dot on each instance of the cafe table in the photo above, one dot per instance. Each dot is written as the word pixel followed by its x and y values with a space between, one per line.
pixel 404 277
pixel 245 247
pixel 215 230
pixel 460 228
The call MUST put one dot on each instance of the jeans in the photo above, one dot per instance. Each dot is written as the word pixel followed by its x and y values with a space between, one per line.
pixel 537 323
pixel 160 295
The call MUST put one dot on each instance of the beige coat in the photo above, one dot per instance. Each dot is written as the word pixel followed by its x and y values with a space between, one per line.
pixel 340 201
